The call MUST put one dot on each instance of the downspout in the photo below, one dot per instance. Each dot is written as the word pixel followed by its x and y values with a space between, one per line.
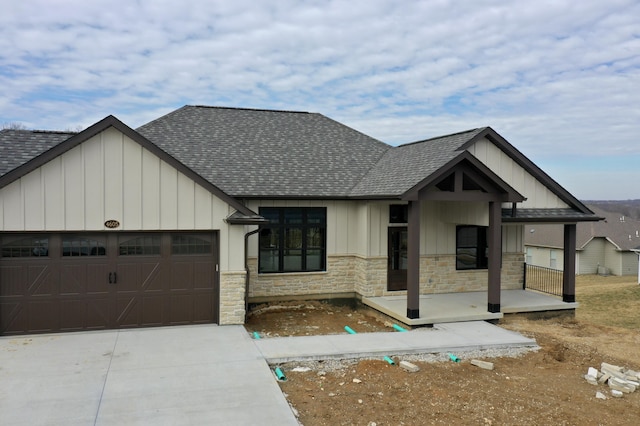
pixel 246 268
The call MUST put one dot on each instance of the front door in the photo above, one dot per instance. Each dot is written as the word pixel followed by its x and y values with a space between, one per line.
pixel 397 259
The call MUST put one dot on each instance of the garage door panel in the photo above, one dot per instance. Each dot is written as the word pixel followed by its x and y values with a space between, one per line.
pixel 152 310
pixel 72 314
pixel 182 276
pixel 13 317
pixel 156 279
pixel 40 280
pixel 98 279
pixel 97 313
pixel 136 277
pixel 43 315
pixel 127 312
pixel 202 308
pixel 73 279
pixel 12 282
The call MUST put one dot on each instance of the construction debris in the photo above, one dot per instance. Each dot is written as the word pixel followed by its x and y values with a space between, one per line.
pixel 621 380
pixel 411 368
pixel 482 364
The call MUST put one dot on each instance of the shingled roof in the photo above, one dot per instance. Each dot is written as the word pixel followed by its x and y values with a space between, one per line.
pixel 403 167
pixel 262 153
pixel 17 147
pixel 623 232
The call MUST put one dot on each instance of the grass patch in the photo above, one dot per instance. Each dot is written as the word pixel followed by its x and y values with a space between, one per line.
pixel 611 301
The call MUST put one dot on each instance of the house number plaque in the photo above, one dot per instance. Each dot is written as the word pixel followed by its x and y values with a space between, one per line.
pixel 111 224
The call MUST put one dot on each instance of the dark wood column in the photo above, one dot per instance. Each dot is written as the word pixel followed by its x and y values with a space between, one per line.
pixel 569 273
pixel 494 241
pixel 413 260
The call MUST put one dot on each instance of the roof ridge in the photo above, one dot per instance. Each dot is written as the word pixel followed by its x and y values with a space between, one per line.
pixel 55 132
pixel 443 136
pixel 249 109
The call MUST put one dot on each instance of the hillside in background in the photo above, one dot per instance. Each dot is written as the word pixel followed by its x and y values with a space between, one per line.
pixel 628 208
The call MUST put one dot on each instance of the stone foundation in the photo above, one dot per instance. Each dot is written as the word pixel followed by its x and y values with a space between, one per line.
pixel 232 297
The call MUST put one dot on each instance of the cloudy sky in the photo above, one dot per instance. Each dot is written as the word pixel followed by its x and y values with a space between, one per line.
pixel 558 79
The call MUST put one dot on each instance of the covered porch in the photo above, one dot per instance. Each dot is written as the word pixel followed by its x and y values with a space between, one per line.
pixel 468 306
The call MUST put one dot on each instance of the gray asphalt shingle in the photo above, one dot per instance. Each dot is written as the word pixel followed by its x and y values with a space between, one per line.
pixel 402 167
pixel 19 146
pixel 261 153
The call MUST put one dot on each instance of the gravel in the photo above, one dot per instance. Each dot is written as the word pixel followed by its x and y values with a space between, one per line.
pixel 329 365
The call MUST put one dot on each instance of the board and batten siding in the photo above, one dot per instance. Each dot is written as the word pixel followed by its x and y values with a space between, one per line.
pixel 361 227
pixel 112 177
pixel 538 195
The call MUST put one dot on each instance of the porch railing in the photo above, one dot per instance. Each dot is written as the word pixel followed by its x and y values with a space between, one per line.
pixel 545 280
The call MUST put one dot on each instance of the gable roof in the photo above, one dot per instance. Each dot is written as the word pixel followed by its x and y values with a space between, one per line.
pixel 251 153
pixel 18 147
pixel 404 166
pixel 44 155
pixel 248 153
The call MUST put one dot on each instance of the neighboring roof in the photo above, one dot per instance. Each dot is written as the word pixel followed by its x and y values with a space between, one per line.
pixel 251 153
pixel 17 147
pixel 623 232
pixel 403 167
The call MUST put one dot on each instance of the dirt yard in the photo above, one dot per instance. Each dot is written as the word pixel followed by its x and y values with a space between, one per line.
pixel 544 387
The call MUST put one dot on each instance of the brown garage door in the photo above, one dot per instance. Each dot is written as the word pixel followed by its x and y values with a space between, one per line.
pixel 70 282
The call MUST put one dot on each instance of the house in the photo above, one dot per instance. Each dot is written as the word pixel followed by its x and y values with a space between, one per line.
pixel 604 247
pixel 192 216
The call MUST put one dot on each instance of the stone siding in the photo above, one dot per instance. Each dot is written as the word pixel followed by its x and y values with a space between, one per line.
pixel 232 297
pixel 340 277
pixel 368 277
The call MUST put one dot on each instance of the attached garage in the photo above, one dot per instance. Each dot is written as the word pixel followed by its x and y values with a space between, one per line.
pixel 103 229
pixel 90 281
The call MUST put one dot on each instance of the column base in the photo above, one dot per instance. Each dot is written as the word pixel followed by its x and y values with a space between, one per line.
pixel 569 298
pixel 413 313
pixel 493 308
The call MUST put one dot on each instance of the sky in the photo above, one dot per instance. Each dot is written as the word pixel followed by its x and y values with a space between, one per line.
pixel 560 80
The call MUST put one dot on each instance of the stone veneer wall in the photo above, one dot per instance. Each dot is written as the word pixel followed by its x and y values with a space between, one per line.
pixel 232 297
pixel 368 277
pixel 340 277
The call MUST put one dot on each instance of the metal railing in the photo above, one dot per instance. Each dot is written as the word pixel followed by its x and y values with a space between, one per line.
pixel 545 280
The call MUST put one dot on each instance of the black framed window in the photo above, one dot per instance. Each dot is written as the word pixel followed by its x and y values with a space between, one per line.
pixel 26 247
pixel 294 240
pixel 398 213
pixel 471 247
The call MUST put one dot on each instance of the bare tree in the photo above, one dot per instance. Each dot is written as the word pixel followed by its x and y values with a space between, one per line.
pixel 14 126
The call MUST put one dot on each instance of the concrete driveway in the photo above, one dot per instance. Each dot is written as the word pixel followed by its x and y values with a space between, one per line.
pixel 190 375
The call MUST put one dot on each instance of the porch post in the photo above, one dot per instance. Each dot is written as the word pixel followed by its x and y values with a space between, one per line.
pixel 494 242
pixel 413 260
pixel 569 270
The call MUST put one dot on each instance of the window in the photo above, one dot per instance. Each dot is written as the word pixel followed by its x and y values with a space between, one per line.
pixel 190 244
pixel 26 247
pixel 398 213
pixel 471 247
pixel 294 240
pixel 553 260
pixel 147 245
pixel 81 246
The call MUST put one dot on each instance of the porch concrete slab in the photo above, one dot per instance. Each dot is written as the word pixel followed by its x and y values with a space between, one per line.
pixel 467 306
pixel 446 337
pixel 170 375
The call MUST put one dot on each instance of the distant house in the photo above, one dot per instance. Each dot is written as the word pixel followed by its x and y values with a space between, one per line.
pixel 604 247
pixel 192 216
